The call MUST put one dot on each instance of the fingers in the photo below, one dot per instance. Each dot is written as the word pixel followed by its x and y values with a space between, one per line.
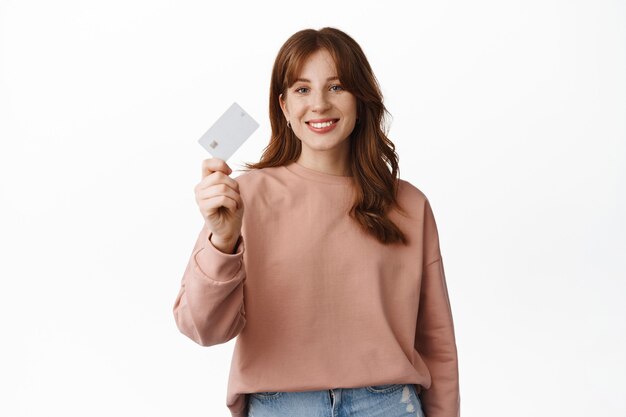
pixel 219 195
pixel 217 189
pixel 210 204
pixel 216 178
pixel 215 164
pixel 214 171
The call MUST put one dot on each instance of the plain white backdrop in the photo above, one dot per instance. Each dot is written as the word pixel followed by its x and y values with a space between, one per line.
pixel 508 115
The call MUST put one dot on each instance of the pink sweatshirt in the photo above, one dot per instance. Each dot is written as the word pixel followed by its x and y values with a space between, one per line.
pixel 315 302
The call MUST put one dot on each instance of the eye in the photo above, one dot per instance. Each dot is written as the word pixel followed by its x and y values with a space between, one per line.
pixel 301 88
pixel 338 86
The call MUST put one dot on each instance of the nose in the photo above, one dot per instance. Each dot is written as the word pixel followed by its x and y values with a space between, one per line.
pixel 319 102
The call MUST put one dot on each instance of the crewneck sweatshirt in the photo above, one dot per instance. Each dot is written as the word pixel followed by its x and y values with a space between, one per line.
pixel 317 303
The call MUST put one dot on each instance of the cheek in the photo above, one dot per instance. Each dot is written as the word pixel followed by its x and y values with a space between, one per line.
pixel 349 106
pixel 298 110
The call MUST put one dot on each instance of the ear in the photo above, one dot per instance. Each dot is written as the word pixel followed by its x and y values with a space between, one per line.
pixel 283 106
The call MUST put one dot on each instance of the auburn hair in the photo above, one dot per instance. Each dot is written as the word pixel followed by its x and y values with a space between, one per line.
pixel 373 159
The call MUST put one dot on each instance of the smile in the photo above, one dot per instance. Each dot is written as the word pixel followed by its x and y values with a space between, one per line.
pixel 324 124
pixel 322 127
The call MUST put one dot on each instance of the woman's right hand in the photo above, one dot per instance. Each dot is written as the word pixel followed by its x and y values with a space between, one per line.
pixel 219 202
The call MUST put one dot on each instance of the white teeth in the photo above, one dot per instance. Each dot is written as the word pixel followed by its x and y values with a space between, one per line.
pixel 321 125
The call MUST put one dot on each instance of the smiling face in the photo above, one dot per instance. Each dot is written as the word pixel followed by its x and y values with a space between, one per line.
pixel 322 114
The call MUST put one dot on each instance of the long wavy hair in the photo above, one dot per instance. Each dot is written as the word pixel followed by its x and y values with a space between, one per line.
pixel 373 159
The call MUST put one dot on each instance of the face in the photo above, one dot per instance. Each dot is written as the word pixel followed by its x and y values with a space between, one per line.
pixel 322 114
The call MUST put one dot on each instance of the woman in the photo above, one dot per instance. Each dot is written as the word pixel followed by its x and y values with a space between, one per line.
pixel 332 279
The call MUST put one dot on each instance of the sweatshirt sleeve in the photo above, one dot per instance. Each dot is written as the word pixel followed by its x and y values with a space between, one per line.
pixel 209 308
pixel 435 338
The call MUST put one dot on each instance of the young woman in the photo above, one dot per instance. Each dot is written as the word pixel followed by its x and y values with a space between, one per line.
pixel 322 261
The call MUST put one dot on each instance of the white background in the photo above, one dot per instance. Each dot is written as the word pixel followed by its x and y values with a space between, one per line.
pixel 508 115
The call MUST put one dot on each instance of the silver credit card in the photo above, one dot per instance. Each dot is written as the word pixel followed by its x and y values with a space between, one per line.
pixel 228 133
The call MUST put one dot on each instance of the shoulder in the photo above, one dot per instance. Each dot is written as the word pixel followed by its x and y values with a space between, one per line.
pixel 260 180
pixel 411 194
pixel 252 175
pixel 414 198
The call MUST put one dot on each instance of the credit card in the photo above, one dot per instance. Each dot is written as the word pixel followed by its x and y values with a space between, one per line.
pixel 228 133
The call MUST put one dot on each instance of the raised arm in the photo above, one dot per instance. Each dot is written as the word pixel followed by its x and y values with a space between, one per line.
pixel 209 308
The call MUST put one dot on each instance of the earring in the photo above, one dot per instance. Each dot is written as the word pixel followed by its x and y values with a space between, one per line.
pixel 288 124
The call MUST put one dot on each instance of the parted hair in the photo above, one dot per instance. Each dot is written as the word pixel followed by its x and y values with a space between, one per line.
pixel 373 159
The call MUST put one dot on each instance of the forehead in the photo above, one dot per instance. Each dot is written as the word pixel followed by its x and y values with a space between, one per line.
pixel 319 64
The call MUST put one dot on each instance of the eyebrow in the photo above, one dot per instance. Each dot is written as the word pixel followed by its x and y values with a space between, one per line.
pixel 308 81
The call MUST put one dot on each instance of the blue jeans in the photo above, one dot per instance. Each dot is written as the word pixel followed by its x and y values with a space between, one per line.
pixel 391 400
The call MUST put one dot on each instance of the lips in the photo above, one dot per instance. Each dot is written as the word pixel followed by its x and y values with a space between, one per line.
pixel 322 123
pixel 322 127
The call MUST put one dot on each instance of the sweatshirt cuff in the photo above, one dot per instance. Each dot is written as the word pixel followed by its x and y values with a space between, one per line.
pixel 217 265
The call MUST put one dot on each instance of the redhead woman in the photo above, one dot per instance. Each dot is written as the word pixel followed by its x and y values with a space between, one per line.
pixel 319 259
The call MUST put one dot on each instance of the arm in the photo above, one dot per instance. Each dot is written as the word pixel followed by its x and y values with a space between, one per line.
pixel 435 339
pixel 209 308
